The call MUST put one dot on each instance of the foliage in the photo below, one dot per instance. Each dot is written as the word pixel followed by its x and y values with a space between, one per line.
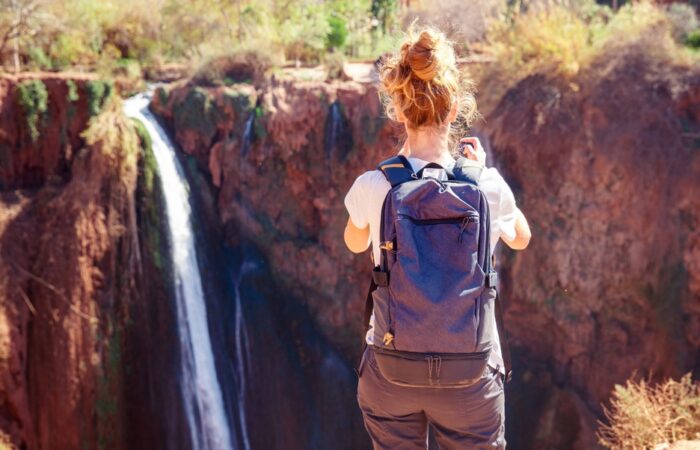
pixel 112 133
pixel 693 39
pixel 99 91
pixel 33 98
pixel 383 12
pixel 125 38
pixel 554 37
pixel 73 95
pixel 338 32
pixel 643 415
pixel 683 20
pixel 334 63
pixel 238 67
pixel 565 40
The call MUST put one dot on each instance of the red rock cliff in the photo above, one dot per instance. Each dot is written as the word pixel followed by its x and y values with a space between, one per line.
pixel 69 262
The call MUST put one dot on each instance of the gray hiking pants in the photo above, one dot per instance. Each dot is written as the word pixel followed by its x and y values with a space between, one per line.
pixel 397 417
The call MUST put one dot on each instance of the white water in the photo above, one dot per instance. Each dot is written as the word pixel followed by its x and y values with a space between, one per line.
pixel 243 350
pixel 202 396
pixel 247 134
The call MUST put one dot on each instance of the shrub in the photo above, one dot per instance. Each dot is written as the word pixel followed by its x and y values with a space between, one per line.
pixel 554 37
pixel 38 59
pixel 642 415
pixel 334 63
pixel 99 91
pixel 240 67
pixel 693 39
pixel 682 19
pixel 565 40
pixel 338 32
pixel 33 98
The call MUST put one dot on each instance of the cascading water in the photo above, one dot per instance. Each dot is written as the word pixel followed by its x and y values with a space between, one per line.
pixel 202 395
pixel 247 134
pixel 333 129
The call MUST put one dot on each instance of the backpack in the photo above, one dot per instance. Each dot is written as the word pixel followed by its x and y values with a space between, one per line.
pixel 434 292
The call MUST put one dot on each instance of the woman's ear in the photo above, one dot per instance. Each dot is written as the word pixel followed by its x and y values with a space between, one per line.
pixel 453 110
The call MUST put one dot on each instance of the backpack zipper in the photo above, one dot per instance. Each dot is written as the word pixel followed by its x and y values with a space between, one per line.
pixel 463 220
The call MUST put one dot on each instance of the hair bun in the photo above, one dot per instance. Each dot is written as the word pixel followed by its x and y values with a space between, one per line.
pixel 421 56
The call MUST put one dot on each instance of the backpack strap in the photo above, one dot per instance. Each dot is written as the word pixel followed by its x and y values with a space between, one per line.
pixel 505 349
pixel 465 170
pixel 397 170
pixel 369 307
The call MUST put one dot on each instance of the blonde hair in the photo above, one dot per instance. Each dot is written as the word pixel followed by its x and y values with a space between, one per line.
pixel 422 81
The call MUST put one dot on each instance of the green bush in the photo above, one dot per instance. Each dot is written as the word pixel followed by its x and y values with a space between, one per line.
pixel 38 59
pixel 34 99
pixel 338 33
pixel 99 91
pixel 693 39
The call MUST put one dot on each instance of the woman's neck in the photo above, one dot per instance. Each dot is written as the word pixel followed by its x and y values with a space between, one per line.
pixel 427 144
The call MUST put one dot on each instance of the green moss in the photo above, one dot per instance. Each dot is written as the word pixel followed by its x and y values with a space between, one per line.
pixel 72 91
pixel 150 196
pixel 34 100
pixel 98 93
pixel 106 405
pixel 163 95
pixel 197 112
pixel 241 102
pixel 258 124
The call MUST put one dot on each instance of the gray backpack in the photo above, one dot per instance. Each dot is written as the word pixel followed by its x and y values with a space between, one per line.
pixel 434 291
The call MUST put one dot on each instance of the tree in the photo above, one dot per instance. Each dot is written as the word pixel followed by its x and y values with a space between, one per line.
pixel 17 21
pixel 383 11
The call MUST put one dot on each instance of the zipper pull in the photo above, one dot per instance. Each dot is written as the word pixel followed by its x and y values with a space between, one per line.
pixel 463 226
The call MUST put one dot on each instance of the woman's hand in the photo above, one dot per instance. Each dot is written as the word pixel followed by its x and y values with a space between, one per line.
pixel 475 151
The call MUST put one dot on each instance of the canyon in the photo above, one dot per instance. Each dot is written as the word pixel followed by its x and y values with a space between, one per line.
pixel 604 164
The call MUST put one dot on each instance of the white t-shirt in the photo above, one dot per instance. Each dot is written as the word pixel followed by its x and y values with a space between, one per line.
pixel 364 204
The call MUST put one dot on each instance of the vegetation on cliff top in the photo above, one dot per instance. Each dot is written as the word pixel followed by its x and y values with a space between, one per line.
pixel 126 39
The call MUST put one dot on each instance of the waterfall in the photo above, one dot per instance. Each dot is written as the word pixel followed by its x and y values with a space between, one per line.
pixel 333 129
pixel 243 350
pixel 247 134
pixel 201 391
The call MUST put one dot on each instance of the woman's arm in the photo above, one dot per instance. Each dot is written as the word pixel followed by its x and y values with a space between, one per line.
pixel 356 239
pixel 522 233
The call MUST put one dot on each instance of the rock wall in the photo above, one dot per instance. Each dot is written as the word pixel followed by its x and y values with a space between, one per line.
pixel 607 168
pixel 73 269
pixel 604 165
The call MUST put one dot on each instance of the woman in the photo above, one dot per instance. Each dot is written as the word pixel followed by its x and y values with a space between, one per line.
pixel 425 91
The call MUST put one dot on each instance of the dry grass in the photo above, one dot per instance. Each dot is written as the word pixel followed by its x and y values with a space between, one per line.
pixel 642 415
pixel 565 40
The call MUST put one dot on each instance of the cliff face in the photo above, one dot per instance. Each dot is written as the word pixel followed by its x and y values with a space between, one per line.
pixel 605 167
pixel 71 266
